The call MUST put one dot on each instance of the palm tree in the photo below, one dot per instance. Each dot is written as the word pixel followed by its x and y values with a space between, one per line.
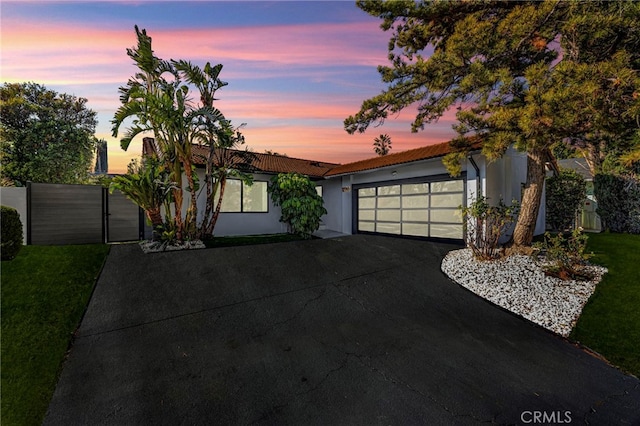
pixel 162 105
pixel 223 158
pixel 382 144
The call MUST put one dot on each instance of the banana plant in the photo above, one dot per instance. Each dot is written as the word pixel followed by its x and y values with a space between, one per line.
pixel 147 184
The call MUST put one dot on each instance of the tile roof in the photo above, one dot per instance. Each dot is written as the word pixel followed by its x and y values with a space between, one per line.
pixel 273 163
pixel 268 163
pixel 417 154
pixel 253 161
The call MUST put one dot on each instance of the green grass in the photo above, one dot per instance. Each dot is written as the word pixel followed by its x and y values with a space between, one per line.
pixel 610 321
pixel 250 240
pixel 45 291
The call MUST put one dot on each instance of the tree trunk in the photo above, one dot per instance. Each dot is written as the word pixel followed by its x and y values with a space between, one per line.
pixel 192 210
pixel 211 191
pixel 526 224
pixel 155 218
pixel 594 155
pixel 216 213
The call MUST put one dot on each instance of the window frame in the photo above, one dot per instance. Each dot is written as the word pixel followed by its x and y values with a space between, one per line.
pixel 242 192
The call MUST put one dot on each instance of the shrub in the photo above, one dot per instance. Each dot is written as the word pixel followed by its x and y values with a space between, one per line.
pixel 618 202
pixel 11 232
pixel 566 257
pixel 301 205
pixel 486 224
pixel 565 194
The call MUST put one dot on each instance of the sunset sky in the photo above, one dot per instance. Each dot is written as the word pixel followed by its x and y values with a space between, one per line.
pixel 295 70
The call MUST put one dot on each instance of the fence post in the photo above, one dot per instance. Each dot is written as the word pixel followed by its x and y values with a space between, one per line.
pixel 28 213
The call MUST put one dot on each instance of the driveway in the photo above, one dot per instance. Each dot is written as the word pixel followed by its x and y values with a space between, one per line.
pixel 353 330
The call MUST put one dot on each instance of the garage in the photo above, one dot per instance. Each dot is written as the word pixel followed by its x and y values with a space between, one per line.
pixel 418 208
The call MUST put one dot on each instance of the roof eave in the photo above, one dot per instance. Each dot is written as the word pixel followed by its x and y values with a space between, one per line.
pixel 375 169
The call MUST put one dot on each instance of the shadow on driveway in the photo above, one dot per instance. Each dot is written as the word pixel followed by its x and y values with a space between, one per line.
pixel 353 330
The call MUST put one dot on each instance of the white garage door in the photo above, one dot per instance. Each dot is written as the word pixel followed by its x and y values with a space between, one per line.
pixel 425 209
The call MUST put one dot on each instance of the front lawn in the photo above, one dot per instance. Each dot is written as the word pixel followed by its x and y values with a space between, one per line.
pixel 610 321
pixel 45 291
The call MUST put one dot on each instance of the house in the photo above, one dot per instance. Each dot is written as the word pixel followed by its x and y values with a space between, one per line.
pixel 407 193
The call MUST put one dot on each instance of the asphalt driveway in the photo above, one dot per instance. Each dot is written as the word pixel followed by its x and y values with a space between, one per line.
pixel 353 330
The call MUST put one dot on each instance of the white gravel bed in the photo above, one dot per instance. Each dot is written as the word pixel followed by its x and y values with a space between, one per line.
pixel 157 246
pixel 519 284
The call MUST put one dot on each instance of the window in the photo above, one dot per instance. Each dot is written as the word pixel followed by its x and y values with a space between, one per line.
pixel 241 198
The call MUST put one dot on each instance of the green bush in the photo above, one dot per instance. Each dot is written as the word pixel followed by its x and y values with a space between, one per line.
pixel 11 238
pixel 566 256
pixel 486 224
pixel 565 194
pixel 301 205
pixel 618 202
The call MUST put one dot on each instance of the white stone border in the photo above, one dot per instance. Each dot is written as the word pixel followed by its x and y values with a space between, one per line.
pixel 159 247
pixel 519 284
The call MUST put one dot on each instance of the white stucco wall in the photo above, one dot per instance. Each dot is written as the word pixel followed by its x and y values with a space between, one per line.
pixel 332 197
pixel 507 177
pixel 17 198
pixel 229 224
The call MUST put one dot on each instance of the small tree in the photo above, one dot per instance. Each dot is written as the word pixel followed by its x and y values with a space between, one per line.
pixel 565 194
pixel 301 205
pixel 45 136
pixel 486 224
pixel 147 184
pixel 382 144
pixel 566 256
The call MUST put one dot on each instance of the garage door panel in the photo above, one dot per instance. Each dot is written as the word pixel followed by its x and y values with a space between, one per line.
pixel 388 202
pixel 415 229
pixel 415 215
pixel 446 200
pixel 415 201
pixel 388 215
pixel 367 226
pixel 367 203
pixel 438 230
pixel 367 215
pixel 389 190
pixel 446 215
pixel 448 186
pixel 415 188
pixel 388 228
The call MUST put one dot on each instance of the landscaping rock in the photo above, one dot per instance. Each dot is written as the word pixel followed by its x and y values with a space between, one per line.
pixel 519 284
pixel 158 246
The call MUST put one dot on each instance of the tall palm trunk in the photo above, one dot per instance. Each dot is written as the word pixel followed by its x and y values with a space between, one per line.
pixel 212 190
pixel 526 224
pixel 216 213
pixel 192 210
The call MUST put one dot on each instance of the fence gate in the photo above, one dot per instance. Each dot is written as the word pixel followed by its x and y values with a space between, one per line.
pixel 79 214
pixel 122 218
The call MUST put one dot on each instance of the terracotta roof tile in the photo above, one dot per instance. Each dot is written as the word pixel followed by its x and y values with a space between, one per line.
pixel 269 163
pixel 417 154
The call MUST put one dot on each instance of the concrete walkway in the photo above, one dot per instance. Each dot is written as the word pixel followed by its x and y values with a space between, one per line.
pixel 353 330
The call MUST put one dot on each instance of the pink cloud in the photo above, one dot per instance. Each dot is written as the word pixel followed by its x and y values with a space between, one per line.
pixel 41 49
